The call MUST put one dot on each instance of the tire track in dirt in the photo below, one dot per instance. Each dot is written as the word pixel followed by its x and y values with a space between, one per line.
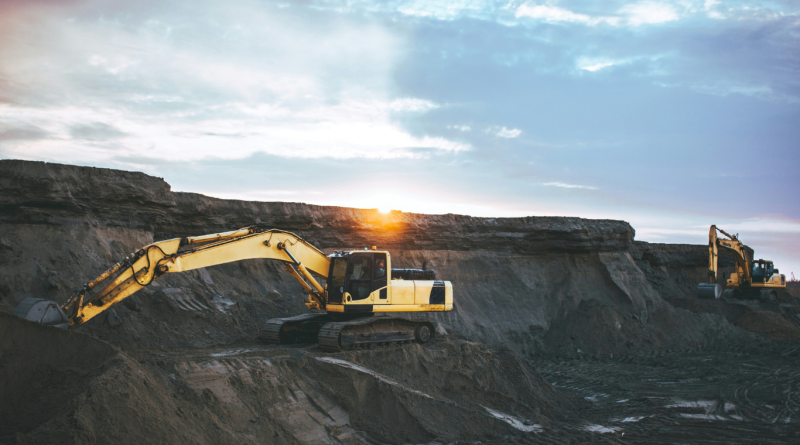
pixel 699 397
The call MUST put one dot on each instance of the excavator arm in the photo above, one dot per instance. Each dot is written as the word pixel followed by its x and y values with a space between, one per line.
pixel 155 260
pixel 743 262
pixel 732 243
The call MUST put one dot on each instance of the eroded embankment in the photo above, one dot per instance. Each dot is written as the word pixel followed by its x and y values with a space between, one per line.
pixel 525 287
pixel 531 283
pixel 42 369
pixel 75 389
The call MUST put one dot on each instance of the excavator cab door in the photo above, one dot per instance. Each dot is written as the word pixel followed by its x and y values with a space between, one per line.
pixel 359 276
pixel 762 271
pixel 336 279
pixel 367 273
pixel 380 278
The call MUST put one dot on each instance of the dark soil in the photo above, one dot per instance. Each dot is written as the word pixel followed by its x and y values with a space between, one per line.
pixel 730 394
pixel 449 390
pixel 793 287
pixel 565 330
pixel 769 325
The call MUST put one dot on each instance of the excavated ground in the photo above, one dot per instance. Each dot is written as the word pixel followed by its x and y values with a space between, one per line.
pixel 565 330
pixel 76 389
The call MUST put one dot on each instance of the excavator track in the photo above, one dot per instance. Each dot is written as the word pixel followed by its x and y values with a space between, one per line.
pixel 299 329
pixel 345 335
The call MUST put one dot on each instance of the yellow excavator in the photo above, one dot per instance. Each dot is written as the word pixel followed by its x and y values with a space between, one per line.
pixel 358 285
pixel 753 279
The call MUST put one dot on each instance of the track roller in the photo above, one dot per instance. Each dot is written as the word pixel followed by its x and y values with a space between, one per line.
pixel 767 295
pixel 370 331
pixel 300 329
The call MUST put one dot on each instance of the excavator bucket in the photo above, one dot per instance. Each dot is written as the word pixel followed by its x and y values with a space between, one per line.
pixel 42 311
pixel 708 291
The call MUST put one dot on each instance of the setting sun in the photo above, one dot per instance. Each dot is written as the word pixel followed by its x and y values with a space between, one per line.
pixel 384 210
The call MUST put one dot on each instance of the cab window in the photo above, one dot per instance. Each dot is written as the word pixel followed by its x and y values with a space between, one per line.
pixel 379 271
pixel 360 276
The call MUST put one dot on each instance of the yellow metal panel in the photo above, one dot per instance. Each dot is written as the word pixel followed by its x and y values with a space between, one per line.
pixel 251 247
pixel 125 284
pixel 422 292
pixel 375 297
pixel 769 285
pixel 402 292
pixel 397 307
pixel 413 308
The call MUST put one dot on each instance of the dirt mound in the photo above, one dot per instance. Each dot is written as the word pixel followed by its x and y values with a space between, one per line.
pixel 457 370
pixel 769 325
pixel 42 370
pixel 63 387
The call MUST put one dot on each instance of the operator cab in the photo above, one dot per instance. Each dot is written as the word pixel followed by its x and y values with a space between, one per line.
pixel 358 273
pixel 763 270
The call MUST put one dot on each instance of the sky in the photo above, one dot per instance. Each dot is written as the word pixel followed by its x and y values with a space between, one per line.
pixel 671 115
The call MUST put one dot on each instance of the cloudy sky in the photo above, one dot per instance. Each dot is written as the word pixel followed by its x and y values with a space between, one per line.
pixel 670 115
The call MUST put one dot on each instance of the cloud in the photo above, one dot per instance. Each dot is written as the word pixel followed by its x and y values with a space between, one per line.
pixel 173 84
pixel 503 132
pixel 755 12
pixel 553 14
pixel 117 65
pixel 594 65
pixel 345 130
pixel 764 224
pixel 413 105
pixel 649 13
pixel 96 131
pixel 509 133
pixel 727 88
pixel 463 128
pixel 633 14
pixel 568 186
pixel 23 132
pixel 647 64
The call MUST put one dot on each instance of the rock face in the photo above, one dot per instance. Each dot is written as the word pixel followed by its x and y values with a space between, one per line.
pixel 179 361
pixel 55 194
pixel 535 284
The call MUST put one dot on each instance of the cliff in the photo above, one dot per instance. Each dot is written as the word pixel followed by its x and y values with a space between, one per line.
pixel 534 284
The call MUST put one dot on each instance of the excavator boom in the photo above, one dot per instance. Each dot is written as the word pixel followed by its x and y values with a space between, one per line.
pixel 183 254
pixel 734 245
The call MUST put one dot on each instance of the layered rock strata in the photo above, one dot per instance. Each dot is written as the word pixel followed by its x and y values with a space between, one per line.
pixel 535 284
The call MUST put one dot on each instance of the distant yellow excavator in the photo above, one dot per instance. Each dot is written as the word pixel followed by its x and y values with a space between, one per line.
pixel 358 284
pixel 753 279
